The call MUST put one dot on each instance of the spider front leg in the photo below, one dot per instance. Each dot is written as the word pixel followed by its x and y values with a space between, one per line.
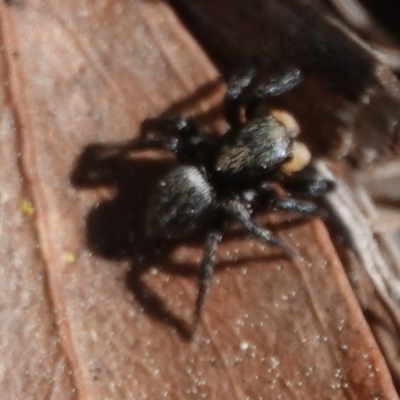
pixel 245 89
pixel 307 182
pixel 295 205
pixel 269 198
pixel 237 85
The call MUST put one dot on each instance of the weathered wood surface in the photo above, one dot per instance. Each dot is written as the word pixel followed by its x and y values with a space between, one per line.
pixel 88 308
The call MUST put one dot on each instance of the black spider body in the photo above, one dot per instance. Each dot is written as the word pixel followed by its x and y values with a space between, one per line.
pixel 180 202
pixel 189 194
pixel 226 178
pixel 254 151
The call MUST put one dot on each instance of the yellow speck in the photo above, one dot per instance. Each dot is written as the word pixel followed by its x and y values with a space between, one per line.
pixel 68 257
pixel 27 208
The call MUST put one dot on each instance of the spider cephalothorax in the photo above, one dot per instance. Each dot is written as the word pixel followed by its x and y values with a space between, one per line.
pixel 228 176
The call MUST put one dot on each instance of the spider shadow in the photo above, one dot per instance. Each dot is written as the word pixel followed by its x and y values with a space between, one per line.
pixel 115 229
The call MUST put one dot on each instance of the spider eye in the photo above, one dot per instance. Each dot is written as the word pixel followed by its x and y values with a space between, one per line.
pixel 287 121
pixel 301 157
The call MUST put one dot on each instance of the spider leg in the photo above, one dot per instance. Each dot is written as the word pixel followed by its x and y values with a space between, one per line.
pixel 179 135
pixel 308 183
pixel 237 85
pixel 244 90
pixel 240 212
pixel 268 197
pixel 206 271
pixel 278 84
pixel 309 187
pixel 172 131
pixel 298 206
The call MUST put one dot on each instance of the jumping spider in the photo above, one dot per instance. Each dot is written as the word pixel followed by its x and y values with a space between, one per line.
pixel 229 176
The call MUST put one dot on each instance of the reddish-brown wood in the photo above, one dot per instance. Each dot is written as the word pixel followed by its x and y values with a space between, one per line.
pixel 82 314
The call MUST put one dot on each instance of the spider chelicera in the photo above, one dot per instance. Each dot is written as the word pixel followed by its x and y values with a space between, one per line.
pixel 229 176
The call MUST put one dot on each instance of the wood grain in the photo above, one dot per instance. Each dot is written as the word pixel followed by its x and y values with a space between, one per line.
pixel 89 309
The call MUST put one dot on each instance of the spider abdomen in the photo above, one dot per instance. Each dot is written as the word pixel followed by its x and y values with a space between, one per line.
pixel 179 203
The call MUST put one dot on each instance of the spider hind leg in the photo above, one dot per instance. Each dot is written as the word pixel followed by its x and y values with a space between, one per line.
pixel 206 271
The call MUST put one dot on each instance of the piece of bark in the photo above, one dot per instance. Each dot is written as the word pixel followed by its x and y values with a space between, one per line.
pixel 84 314
pixel 348 95
pixel 374 23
